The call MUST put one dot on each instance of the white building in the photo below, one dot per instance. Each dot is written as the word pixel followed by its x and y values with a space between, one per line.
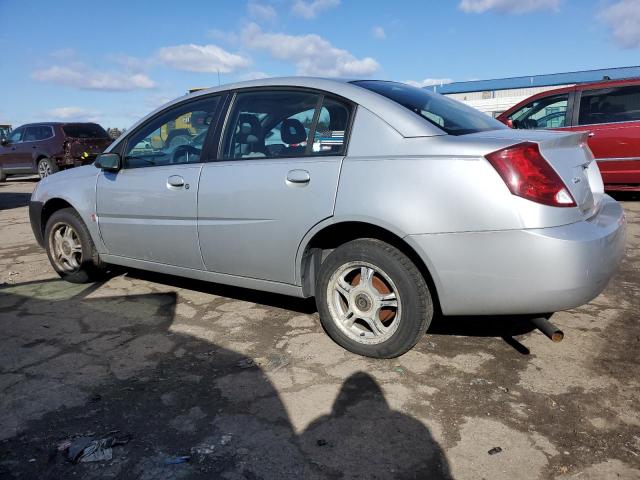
pixel 495 96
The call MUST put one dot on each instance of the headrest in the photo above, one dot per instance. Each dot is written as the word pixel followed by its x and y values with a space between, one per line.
pixel 292 131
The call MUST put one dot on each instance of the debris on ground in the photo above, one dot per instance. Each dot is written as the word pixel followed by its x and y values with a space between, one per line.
pixel 321 442
pixel 504 389
pixel 494 451
pixel 89 449
pixel 226 439
pixel 399 370
pixel 202 450
pixel 246 363
pixel 177 460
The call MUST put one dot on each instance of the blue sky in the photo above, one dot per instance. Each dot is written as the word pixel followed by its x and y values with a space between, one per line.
pixel 113 62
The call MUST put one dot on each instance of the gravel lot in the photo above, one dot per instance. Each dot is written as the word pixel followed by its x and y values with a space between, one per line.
pixel 248 385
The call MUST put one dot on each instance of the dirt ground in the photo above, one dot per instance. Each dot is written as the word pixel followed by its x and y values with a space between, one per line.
pixel 248 386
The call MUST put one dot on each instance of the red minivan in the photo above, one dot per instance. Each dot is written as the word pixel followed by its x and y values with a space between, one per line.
pixel 608 110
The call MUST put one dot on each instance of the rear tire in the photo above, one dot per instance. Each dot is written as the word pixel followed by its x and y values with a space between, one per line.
pixel 70 248
pixel 372 299
pixel 46 167
pixel 3 176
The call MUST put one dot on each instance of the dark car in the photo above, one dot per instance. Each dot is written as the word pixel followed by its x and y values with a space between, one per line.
pixel 45 148
pixel 608 110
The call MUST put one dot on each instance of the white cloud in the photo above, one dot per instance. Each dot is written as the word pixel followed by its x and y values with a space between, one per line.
pixel 623 17
pixel 80 76
pixel 222 35
pixel 311 9
pixel 261 11
pixel 254 76
pixel 77 114
pixel 427 82
pixel 64 53
pixel 311 54
pixel 202 58
pixel 508 6
pixel 379 33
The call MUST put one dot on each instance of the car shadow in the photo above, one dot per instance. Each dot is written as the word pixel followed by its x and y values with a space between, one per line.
pixel 100 365
pixel 505 327
pixel 9 200
pixel 625 196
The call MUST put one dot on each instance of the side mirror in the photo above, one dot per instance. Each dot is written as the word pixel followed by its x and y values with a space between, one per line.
pixel 109 162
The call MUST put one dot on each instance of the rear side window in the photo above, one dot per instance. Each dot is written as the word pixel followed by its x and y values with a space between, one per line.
pixel 40 132
pixel 610 105
pixel 85 130
pixel 449 115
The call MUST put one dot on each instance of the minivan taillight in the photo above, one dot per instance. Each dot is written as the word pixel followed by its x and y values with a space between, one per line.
pixel 528 175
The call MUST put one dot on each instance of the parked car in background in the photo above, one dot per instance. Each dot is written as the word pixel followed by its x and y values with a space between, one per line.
pixel 608 110
pixel 5 130
pixel 397 202
pixel 45 148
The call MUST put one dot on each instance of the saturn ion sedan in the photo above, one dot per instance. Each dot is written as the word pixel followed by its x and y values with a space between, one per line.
pixel 385 202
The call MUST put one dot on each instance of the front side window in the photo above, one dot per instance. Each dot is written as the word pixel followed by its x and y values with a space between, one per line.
pixel 266 124
pixel 610 105
pixel 176 136
pixel 454 117
pixel 16 135
pixel 547 112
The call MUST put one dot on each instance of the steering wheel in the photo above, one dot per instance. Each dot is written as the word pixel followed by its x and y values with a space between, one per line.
pixel 182 150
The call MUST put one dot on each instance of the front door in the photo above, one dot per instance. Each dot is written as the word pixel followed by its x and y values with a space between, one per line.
pixel 148 210
pixel 276 178
pixel 13 155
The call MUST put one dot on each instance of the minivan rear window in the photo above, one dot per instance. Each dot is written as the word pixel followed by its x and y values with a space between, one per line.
pixel 454 117
pixel 85 130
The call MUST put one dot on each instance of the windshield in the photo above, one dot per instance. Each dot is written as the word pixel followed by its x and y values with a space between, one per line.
pixel 85 130
pixel 449 115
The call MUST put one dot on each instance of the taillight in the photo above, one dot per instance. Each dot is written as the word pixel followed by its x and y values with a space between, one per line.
pixel 528 175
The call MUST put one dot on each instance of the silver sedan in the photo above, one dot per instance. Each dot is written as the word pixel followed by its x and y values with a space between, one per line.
pixel 386 202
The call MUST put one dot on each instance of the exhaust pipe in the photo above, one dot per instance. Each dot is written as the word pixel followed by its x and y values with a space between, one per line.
pixel 548 328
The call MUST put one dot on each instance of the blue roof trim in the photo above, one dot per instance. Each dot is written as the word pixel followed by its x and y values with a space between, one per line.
pixel 537 80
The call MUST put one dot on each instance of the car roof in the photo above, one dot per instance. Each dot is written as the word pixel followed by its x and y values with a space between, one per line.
pixel 405 122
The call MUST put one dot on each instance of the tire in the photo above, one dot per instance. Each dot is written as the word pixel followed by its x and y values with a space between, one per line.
pixel 3 176
pixel 46 167
pixel 374 329
pixel 76 267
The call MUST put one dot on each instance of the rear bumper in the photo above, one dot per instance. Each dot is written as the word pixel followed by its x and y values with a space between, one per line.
pixel 525 271
pixel 35 217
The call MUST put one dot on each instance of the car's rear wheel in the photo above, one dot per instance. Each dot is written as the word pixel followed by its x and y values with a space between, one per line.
pixel 46 167
pixel 70 248
pixel 372 299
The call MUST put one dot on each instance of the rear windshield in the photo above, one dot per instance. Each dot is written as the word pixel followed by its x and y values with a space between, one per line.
pixel 449 115
pixel 84 130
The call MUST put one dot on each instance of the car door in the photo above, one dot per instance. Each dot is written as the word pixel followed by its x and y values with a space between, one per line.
pixel 148 209
pixel 275 178
pixel 11 153
pixel 611 115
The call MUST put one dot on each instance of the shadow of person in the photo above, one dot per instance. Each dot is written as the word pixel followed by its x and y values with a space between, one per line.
pixel 87 360
pixel 363 438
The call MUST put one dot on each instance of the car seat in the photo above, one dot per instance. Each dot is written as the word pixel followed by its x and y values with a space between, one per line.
pixel 249 137
pixel 293 134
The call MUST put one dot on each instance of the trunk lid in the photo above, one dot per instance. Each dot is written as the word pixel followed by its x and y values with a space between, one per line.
pixel 569 155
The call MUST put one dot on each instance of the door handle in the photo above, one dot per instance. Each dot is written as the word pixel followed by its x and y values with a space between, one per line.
pixel 175 181
pixel 34 146
pixel 298 176
pixel 592 134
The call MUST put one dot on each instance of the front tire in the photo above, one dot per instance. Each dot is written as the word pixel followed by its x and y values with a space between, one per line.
pixel 46 167
pixel 70 248
pixel 372 299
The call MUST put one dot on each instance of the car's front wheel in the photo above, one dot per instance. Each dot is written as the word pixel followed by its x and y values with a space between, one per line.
pixel 70 248
pixel 372 299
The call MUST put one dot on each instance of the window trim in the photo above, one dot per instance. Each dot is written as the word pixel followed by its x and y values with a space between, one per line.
pixel 124 144
pixel 350 104
pixel 576 117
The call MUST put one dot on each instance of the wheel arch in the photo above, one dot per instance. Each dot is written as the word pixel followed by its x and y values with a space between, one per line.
pixel 328 235
pixel 50 207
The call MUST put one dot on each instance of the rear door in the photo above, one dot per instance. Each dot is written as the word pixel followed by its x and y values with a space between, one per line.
pixel 275 178
pixel 148 210
pixel 612 118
